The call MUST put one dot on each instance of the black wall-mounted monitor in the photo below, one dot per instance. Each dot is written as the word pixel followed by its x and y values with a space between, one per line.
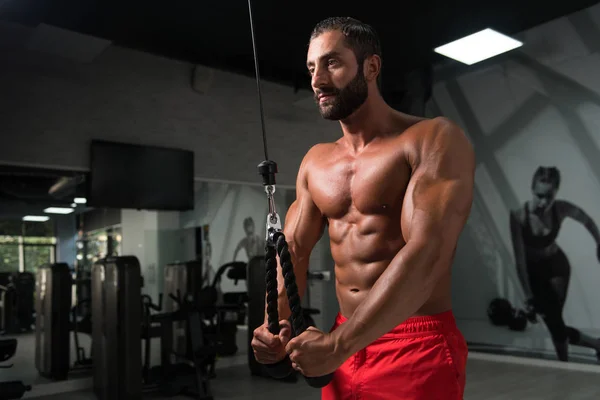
pixel 140 177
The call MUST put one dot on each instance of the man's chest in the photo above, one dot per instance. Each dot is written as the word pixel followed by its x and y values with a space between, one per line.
pixel 369 184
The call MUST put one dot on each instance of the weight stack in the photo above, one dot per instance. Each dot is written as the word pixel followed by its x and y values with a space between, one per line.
pixel 52 325
pixel 257 291
pixel 100 372
pixel 8 311
pixel 25 285
pixel 116 322
pixel 187 279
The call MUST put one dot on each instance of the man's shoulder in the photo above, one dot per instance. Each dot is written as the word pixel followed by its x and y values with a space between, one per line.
pixel 318 151
pixel 438 128
pixel 320 148
pixel 313 156
pixel 436 136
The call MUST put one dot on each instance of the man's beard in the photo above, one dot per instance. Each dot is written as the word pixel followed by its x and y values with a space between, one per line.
pixel 345 101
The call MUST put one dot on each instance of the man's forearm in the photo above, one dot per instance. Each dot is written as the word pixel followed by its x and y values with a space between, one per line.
pixel 399 292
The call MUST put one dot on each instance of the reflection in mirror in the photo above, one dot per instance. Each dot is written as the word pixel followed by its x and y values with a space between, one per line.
pixel 38 213
pixel 45 220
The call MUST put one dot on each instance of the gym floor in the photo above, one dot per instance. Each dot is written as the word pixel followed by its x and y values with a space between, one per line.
pixel 489 378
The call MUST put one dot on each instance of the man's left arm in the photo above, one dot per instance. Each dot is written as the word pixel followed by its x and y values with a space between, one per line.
pixel 440 192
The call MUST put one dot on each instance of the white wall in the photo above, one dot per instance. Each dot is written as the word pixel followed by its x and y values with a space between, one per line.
pixel 151 236
pixel 61 89
pixel 537 106
pixel 66 235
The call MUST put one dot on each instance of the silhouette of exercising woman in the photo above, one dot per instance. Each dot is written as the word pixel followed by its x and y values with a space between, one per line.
pixel 542 266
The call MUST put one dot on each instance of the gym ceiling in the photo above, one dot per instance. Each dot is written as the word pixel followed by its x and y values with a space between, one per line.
pixel 217 33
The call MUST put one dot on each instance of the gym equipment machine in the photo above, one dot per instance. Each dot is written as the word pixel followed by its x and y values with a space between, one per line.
pixel 188 278
pixel 13 389
pixel 185 278
pixel 53 302
pixel 16 299
pixel 227 310
pixel 178 373
pixel 25 284
pixel 81 326
pixel 116 328
pixel 55 320
pixel 8 306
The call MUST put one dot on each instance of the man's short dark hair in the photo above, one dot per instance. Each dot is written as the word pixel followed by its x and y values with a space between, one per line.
pixel 549 175
pixel 360 37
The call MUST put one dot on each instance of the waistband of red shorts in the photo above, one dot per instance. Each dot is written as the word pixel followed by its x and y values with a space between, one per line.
pixel 436 323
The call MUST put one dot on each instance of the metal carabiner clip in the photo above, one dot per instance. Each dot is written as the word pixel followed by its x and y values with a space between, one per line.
pixel 273 220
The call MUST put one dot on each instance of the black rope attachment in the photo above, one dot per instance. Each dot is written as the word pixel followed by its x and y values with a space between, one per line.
pixel 291 288
pixel 271 280
pixel 277 245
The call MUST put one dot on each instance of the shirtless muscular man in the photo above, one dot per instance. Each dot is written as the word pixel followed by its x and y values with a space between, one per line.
pixel 394 192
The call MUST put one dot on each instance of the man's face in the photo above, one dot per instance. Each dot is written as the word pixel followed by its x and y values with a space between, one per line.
pixel 543 196
pixel 337 80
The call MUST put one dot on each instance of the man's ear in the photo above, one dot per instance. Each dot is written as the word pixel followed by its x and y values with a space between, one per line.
pixel 372 67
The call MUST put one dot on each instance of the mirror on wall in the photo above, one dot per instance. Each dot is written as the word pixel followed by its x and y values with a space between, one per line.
pixel 45 219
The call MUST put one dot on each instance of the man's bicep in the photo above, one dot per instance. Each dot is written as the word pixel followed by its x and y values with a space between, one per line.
pixel 443 190
pixel 304 222
pixel 303 228
pixel 441 211
pixel 304 225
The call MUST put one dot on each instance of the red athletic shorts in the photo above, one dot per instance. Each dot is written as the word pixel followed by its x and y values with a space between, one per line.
pixel 424 358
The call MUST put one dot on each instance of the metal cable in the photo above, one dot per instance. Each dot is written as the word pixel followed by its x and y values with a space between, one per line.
pixel 260 102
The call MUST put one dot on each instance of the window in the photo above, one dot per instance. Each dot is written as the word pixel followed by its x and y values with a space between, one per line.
pixel 38 251
pixel 99 244
pixel 9 254
pixel 25 254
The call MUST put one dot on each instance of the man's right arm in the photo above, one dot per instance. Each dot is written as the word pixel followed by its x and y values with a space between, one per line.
pixel 304 224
